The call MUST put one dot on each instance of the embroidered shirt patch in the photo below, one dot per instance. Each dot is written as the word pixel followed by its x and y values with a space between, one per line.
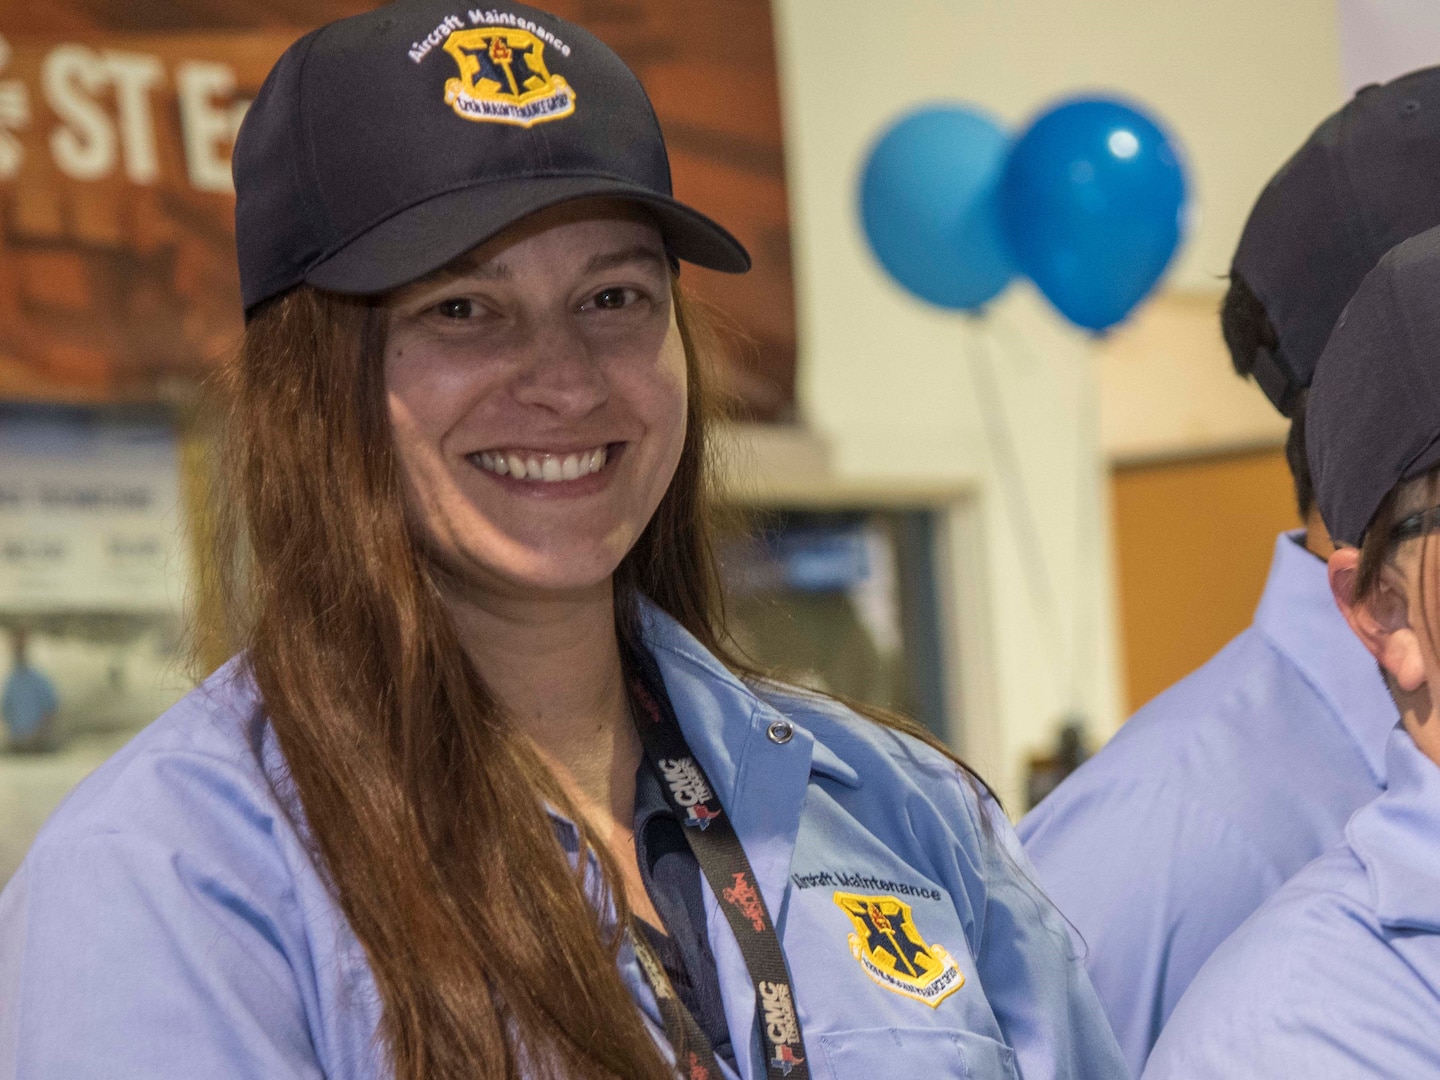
pixel 889 947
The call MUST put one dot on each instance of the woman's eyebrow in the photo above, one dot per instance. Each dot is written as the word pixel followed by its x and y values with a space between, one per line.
pixel 471 265
pixel 635 253
pixel 496 269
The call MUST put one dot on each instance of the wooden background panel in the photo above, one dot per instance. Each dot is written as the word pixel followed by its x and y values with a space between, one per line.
pixel 120 284
pixel 1193 544
pixel 113 287
pixel 69 17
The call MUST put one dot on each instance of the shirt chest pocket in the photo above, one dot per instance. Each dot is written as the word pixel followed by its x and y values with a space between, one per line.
pixel 902 1053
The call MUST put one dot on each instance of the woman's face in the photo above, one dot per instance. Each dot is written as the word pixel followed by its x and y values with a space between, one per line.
pixel 536 392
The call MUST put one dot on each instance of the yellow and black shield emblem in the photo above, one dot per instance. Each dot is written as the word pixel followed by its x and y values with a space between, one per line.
pixel 503 78
pixel 889 947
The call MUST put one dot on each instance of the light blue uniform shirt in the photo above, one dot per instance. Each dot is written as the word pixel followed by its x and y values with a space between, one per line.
pixel 168 922
pixel 1338 975
pixel 1212 795
pixel 28 699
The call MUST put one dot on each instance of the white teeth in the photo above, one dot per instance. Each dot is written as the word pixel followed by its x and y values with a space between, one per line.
pixel 546 468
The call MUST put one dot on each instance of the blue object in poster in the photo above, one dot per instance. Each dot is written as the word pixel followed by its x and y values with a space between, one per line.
pixel 1093 200
pixel 929 202
pixel 823 560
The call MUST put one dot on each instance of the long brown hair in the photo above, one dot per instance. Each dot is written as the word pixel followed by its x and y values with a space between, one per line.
pixel 423 806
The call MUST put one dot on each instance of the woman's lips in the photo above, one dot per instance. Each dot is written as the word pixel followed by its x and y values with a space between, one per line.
pixel 540 466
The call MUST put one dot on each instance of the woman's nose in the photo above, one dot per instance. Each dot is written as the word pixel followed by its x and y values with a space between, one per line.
pixel 561 373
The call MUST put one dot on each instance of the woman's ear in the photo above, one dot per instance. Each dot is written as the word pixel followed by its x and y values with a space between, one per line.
pixel 1381 620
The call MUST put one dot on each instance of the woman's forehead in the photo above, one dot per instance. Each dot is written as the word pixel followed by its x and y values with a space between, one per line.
pixel 581 233
pixel 1418 494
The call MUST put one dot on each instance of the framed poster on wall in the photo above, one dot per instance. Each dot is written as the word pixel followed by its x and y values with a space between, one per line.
pixel 89 511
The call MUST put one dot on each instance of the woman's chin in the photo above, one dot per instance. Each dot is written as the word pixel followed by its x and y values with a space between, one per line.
pixel 546 573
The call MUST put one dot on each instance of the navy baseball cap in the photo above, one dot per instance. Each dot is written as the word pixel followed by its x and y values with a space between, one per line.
pixel 1366 179
pixel 1373 416
pixel 382 146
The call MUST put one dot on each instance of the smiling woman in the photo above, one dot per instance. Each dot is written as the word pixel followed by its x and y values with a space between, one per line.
pixel 487 793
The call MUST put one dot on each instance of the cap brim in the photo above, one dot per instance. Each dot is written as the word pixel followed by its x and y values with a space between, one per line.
pixel 424 237
pixel 1354 518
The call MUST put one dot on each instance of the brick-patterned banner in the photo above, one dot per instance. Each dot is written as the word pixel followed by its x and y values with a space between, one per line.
pixel 117 276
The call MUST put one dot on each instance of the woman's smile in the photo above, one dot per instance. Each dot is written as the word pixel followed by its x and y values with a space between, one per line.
pixel 549 472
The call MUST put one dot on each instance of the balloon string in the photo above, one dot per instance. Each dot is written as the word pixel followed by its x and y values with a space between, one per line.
pixel 1086 537
pixel 999 438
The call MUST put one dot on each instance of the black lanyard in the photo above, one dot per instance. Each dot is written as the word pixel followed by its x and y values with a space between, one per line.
pixel 717 849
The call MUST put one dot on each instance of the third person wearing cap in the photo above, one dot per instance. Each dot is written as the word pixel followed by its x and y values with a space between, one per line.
pixel 1225 785
pixel 1338 974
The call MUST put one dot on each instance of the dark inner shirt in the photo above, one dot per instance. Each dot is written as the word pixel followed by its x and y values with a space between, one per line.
pixel 672 878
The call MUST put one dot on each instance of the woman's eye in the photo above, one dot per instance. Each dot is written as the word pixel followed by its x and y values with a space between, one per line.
pixel 456 308
pixel 614 299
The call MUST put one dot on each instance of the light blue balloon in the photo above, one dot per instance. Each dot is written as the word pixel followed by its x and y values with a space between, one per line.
pixel 1093 203
pixel 929 202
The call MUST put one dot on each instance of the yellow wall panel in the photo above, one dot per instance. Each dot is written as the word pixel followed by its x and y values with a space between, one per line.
pixel 1193 541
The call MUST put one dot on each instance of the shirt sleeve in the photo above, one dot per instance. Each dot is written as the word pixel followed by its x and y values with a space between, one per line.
pixel 1033 977
pixel 1151 888
pixel 1305 989
pixel 121 958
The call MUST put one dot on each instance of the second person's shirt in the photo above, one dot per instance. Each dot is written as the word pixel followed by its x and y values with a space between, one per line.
pixel 1213 795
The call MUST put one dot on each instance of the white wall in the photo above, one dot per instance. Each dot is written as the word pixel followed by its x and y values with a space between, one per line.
pixel 886 380
pixel 1168 390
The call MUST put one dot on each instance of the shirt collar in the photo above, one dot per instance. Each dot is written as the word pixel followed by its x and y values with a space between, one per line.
pixel 719 716
pixel 1297 613
pixel 716 700
pixel 1397 838
pixel 758 761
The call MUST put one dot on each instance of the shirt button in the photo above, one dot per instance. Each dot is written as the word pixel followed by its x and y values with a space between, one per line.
pixel 781 731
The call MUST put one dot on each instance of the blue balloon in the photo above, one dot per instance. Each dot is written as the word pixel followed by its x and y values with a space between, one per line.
pixel 1093 202
pixel 929 201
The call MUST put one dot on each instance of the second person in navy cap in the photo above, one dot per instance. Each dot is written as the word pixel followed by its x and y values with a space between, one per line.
pixel 1217 791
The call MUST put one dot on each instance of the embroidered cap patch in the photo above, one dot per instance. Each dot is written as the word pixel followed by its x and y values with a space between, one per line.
pixel 503 78
pixel 889 947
